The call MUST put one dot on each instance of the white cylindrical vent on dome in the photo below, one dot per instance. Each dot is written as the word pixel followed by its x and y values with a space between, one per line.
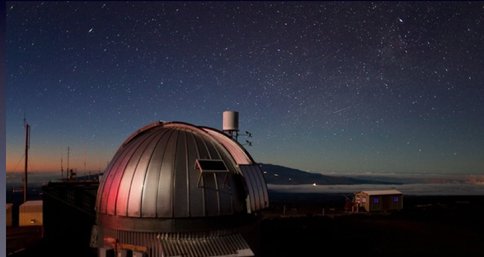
pixel 230 121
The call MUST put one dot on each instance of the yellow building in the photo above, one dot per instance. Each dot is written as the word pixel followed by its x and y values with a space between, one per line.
pixel 8 218
pixel 30 213
pixel 379 200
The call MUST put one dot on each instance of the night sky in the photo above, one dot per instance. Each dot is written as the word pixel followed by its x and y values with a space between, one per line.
pixel 322 86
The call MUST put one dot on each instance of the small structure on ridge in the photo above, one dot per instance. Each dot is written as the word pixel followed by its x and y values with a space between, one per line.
pixel 378 200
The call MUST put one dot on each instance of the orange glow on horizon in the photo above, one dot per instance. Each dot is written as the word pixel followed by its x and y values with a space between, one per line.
pixel 45 162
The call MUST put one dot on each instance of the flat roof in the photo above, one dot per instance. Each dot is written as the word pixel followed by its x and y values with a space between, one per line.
pixel 382 192
pixel 32 203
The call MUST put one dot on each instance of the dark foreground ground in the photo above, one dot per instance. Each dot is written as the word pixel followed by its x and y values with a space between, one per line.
pixel 316 225
pixel 428 226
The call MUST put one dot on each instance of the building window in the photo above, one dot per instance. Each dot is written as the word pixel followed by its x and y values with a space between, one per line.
pixel 395 199
pixel 376 200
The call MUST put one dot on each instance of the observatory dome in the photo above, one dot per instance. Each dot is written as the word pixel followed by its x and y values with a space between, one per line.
pixel 169 171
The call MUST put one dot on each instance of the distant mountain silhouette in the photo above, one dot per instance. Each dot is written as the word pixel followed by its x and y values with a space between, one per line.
pixel 276 174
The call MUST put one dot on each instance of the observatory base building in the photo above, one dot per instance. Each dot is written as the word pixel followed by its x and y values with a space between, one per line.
pixel 175 189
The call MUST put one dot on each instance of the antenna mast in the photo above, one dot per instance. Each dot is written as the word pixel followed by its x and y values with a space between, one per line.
pixel 27 146
pixel 85 157
pixel 62 168
pixel 68 152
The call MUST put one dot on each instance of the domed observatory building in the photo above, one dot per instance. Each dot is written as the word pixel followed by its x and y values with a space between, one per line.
pixel 175 189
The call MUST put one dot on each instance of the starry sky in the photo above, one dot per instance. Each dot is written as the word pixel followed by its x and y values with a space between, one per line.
pixel 322 86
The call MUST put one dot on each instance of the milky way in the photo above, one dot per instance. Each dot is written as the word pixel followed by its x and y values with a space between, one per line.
pixel 322 86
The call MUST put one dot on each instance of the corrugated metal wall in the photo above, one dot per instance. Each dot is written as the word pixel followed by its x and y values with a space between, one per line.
pixel 214 243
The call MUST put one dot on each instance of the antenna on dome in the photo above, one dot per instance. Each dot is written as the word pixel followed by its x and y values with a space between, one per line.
pixel 231 126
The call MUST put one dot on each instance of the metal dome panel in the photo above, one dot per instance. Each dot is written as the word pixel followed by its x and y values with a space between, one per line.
pixel 257 188
pixel 153 175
